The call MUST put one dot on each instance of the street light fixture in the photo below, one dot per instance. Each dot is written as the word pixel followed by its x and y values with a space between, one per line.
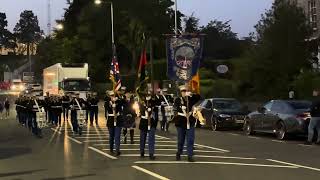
pixel 59 27
pixel 97 2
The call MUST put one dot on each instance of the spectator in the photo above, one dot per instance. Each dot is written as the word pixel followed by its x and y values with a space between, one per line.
pixel 315 119
pixel 7 107
pixel 1 109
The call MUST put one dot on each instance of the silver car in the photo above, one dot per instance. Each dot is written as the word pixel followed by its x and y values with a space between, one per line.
pixel 280 117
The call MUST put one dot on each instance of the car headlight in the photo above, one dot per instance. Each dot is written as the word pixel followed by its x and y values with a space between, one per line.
pixel 224 116
pixel 13 87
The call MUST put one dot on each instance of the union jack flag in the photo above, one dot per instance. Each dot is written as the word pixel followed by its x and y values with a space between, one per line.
pixel 115 72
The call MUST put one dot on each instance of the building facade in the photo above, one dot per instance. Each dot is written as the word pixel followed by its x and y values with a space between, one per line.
pixel 311 9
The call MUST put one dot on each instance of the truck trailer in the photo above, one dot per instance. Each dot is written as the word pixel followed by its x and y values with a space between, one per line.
pixel 60 79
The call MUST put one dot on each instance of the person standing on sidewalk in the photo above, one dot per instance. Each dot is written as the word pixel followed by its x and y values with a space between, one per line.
pixel 315 119
pixel 7 107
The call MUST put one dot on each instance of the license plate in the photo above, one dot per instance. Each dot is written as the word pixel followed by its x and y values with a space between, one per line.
pixel 239 121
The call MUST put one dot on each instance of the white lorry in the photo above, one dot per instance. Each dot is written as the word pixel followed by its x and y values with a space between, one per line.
pixel 60 79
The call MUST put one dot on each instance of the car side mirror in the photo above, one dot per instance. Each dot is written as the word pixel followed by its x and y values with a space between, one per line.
pixel 261 109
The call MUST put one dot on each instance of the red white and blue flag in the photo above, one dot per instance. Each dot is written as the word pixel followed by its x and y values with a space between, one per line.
pixel 115 72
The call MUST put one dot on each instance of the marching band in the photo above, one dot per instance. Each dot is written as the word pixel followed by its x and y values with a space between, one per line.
pixel 122 111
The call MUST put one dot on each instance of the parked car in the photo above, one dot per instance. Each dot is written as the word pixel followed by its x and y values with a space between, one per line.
pixel 221 113
pixel 280 117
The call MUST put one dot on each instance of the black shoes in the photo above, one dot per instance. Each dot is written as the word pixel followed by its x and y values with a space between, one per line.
pixel 318 143
pixel 118 153
pixel 190 159
pixel 178 157
pixel 308 143
pixel 152 157
pixel 142 154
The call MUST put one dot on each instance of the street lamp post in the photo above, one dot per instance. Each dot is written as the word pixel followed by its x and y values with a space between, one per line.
pixel 99 2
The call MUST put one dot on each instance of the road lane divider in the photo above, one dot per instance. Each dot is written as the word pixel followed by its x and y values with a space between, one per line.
pixel 72 139
pixel 216 163
pixel 213 148
pixel 278 141
pixel 137 149
pixel 198 156
pixel 295 165
pixel 150 173
pixel 102 153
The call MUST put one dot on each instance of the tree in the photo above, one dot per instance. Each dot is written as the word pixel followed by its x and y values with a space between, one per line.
pixel 220 42
pixel 6 36
pixel 27 29
pixel 280 51
pixel 92 36
pixel 191 24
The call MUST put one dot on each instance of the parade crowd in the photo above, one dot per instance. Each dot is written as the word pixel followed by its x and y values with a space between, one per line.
pixel 124 112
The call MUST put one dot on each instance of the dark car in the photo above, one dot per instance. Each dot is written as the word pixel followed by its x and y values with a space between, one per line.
pixel 222 113
pixel 280 117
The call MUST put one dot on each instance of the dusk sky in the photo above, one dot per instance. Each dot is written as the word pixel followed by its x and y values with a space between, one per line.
pixel 244 14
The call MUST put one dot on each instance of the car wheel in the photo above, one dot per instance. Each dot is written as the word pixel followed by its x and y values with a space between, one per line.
pixel 214 124
pixel 248 128
pixel 281 131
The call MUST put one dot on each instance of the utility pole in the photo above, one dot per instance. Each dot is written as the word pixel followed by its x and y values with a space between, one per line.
pixel 49 18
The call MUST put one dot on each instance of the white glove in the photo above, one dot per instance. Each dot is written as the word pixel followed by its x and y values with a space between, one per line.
pixel 184 108
pixel 113 105
pixel 149 109
pixel 188 93
pixel 148 98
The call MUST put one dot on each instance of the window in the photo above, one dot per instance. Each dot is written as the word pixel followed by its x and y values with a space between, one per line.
pixel 280 107
pixel 208 105
pixel 312 13
pixel 268 106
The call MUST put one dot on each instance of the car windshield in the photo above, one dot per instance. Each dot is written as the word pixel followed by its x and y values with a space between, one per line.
pixel 76 85
pixel 227 105
pixel 300 104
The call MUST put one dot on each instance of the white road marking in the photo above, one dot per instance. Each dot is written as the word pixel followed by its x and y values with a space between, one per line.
pixel 252 137
pixel 55 130
pixel 103 153
pixel 150 173
pixel 295 165
pixel 106 140
pixel 162 137
pixel 137 149
pixel 221 163
pixel 305 145
pixel 74 140
pixel 199 156
pixel 233 134
pixel 209 147
pixel 100 137
pixel 278 141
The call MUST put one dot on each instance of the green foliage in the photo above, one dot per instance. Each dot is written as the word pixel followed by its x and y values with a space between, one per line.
pixel 206 73
pixel 191 24
pixel 6 37
pixel 220 42
pixel 279 54
pixel 28 29
pixel 305 83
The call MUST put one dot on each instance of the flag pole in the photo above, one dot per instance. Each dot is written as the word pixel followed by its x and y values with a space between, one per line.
pixel 176 17
pixel 151 61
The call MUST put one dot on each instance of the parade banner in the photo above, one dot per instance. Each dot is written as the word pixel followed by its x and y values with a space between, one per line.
pixel 184 54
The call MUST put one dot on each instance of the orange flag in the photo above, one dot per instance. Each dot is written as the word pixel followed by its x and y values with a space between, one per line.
pixel 195 84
